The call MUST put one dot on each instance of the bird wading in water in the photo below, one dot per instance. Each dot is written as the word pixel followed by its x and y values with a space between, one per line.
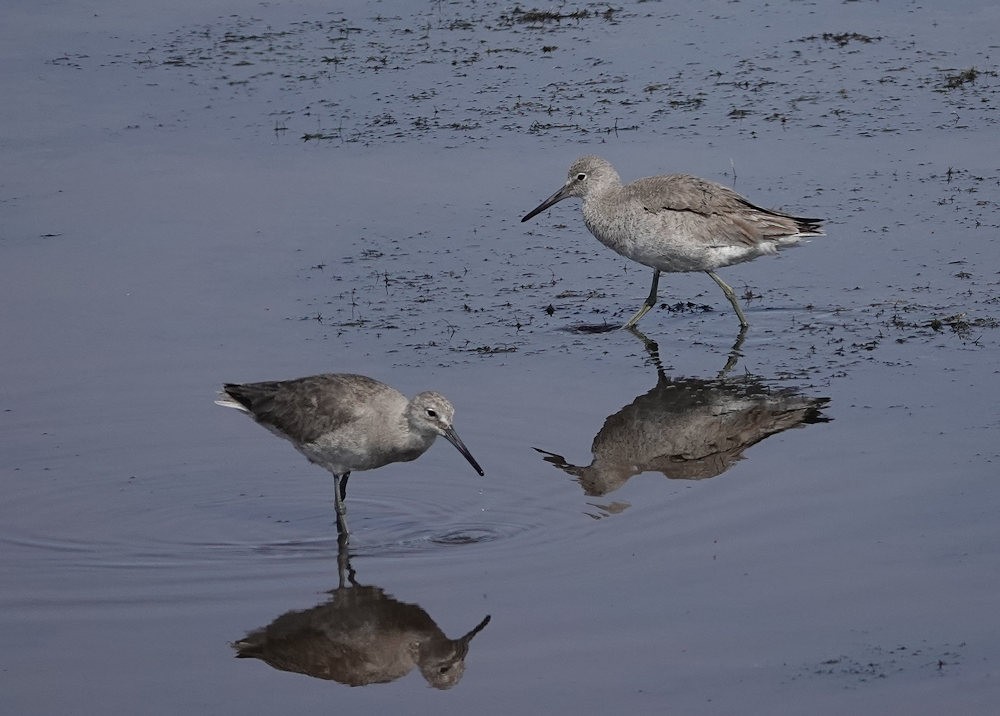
pixel 676 223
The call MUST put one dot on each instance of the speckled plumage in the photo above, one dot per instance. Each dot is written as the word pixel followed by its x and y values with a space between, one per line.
pixel 676 223
pixel 345 422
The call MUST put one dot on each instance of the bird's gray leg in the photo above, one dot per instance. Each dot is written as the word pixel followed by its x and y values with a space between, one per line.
pixel 340 494
pixel 726 289
pixel 344 571
pixel 649 303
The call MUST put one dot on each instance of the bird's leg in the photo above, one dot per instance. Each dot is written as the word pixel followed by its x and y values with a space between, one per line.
pixel 339 495
pixel 344 571
pixel 649 303
pixel 726 289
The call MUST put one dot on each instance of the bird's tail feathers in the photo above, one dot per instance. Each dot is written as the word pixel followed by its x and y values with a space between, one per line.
pixel 227 401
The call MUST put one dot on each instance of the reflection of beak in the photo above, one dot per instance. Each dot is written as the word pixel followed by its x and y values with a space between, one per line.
pixel 554 199
pixel 478 628
pixel 452 437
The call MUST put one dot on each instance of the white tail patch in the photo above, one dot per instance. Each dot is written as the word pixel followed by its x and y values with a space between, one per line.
pixel 226 401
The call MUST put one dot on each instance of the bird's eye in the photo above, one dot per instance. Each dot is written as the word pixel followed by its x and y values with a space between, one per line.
pixel 431 413
pixel 581 176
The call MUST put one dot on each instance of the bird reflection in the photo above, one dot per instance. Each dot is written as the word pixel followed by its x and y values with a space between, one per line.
pixel 687 429
pixel 360 636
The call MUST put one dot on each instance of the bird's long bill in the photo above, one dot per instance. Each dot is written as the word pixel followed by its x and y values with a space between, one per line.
pixel 554 199
pixel 452 437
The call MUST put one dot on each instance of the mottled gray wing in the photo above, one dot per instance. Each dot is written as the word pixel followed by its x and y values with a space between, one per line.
pixel 305 408
pixel 726 213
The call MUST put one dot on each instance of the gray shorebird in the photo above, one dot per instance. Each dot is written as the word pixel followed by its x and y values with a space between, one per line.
pixel 347 423
pixel 676 223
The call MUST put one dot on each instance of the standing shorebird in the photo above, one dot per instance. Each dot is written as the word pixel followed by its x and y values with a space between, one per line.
pixel 347 422
pixel 676 223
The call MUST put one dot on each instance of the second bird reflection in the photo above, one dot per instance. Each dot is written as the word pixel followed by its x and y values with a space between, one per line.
pixel 687 429
pixel 360 636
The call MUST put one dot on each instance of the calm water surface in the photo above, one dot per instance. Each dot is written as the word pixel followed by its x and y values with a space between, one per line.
pixel 197 194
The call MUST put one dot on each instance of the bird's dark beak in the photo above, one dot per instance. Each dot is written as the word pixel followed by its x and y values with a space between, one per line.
pixel 554 199
pixel 452 437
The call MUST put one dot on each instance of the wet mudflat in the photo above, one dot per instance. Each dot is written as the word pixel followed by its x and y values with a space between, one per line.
pixel 195 195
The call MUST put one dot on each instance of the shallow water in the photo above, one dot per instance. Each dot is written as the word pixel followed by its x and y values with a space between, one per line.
pixel 197 195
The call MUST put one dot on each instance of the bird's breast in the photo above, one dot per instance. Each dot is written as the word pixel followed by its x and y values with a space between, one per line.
pixel 658 240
